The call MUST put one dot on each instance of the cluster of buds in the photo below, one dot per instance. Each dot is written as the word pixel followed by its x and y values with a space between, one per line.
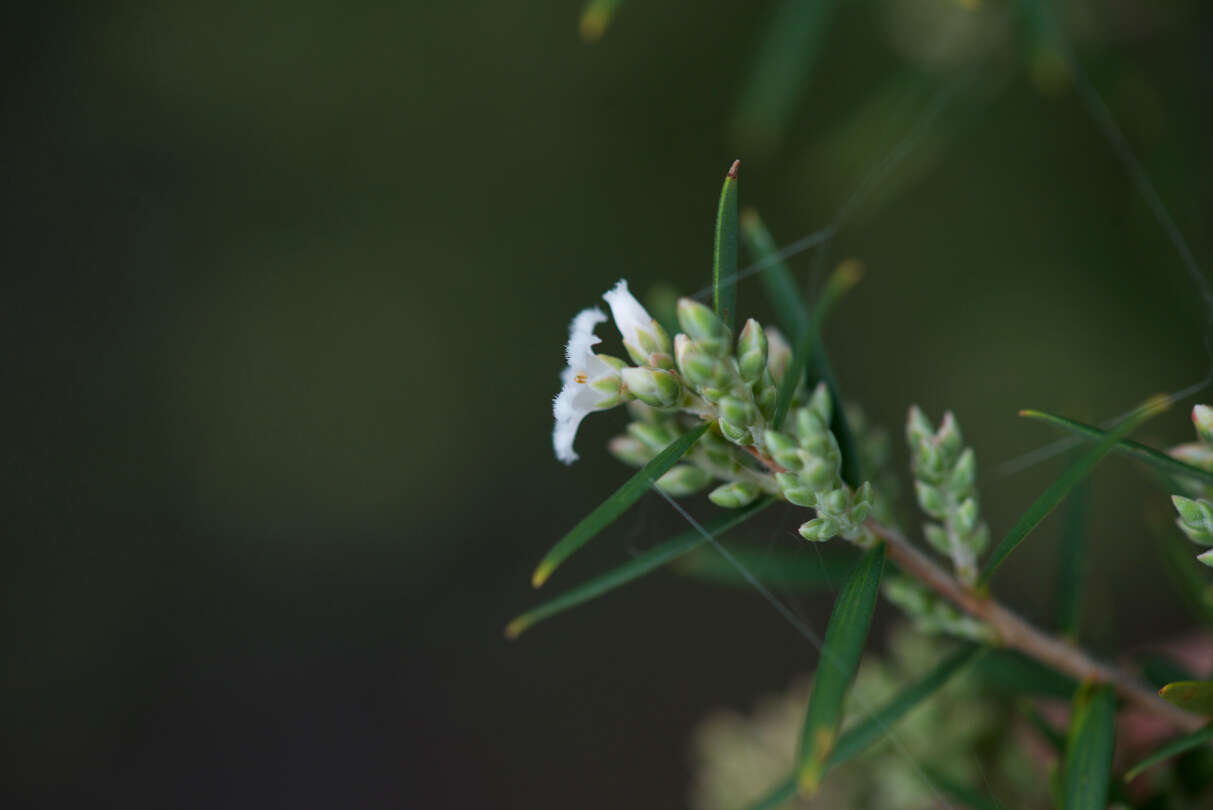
pixel 932 613
pixel 703 374
pixel 740 387
pixel 1196 514
pixel 812 464
pixel 945 473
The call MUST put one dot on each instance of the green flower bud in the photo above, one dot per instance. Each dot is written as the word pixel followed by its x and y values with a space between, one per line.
pixel 1202 417
pixel 751 351
pixel 948 438
pixel 699 321
pixel 767 397
pixel 794 490
pixel 737 411
pixel 612 386
pixel 778 442
pixel 918 427
pixel 865 494
pixel 859 512
pixel 964 474
pixel 834 502
pixel 966 516
pixel 734 495
pixel 639 356
pixel 930 499
pixel 820 403
pixel 937 536
pixel 819 474
pixel 683 479
pixel 819 529
pixel 654 436
pixel 699 367
pixel 810 424
pixel 1194 513
pixel 1206 557
pixel 630 451
pixel 737 434
pixel 655 387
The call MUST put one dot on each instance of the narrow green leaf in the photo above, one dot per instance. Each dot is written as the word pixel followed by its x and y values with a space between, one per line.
pixel 643 563
pixel 857 739
pixel 1088 763
pixel 877 724
pixel 1195 696
pixel 1137 450
pixel 790 311
pixel 1172 749
pixel 619 502
pixel 782 66
pixel 780 570
pixel 1015 673
pixel 724 257
pixel 1079 469
pixel 966 796
pixel 1071 573
pixel 783 792
pixel 844 641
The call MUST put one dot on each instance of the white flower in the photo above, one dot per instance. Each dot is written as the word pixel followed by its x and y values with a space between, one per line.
pixel 642 335
pixel 591 382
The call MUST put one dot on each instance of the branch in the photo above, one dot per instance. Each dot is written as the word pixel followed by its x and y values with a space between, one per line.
pixel 1012 630
pixel 1015 632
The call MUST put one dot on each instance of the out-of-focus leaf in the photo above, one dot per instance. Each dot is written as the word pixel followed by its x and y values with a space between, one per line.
pixel 844 641
pixel 1079 469
pixel 857 739
pixel 724 255
pixel 1171 749
pixel 1088 763
pixel 638 566
pixel 619 502
pixel 782 67
pixel 1071 573
pixel 1137 450
pixel 778 569
pixel 1195 696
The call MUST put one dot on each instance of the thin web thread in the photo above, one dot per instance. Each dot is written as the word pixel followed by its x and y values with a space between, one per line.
pixel 824 655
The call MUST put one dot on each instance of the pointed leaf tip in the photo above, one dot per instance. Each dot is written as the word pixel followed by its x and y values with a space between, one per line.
pixel 733 169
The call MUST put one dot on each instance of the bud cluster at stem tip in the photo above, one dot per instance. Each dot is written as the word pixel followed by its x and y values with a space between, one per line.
pixel 945 477
pixel 811 460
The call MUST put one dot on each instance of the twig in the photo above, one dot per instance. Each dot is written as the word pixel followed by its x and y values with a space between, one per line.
pixel 1012 630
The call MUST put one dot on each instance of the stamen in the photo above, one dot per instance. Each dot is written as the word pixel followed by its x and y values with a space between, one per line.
pixel 581 377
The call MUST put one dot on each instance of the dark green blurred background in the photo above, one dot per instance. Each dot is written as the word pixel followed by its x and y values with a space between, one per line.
pixel 287 286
